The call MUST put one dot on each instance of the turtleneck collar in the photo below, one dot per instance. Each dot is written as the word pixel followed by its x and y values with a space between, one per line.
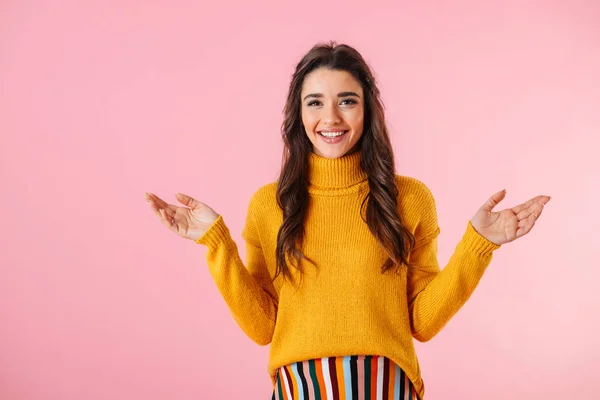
pixel 335 173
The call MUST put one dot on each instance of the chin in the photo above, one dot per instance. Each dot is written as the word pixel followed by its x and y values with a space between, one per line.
pixel 331 153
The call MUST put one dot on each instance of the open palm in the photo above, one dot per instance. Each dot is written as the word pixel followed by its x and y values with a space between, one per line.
pixel 189 222
pixel 509 224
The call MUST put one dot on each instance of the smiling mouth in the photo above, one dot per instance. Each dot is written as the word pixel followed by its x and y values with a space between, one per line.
pixel 332 134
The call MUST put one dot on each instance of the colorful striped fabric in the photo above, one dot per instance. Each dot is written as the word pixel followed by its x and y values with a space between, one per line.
pixel 343 378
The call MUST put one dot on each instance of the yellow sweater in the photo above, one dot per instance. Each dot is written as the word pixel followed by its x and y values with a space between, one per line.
pixel 345 306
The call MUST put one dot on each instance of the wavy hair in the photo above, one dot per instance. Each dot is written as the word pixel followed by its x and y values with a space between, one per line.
pixel 377 160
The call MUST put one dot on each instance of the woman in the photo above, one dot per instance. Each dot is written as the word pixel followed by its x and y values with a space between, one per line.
pixel 341 268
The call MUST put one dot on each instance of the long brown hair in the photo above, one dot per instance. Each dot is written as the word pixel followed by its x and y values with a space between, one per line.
pixel 377 160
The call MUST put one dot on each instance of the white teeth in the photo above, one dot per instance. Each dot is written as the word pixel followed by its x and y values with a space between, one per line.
pixel 332 134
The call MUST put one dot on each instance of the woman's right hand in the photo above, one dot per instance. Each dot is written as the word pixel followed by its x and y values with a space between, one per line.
pixel 188 222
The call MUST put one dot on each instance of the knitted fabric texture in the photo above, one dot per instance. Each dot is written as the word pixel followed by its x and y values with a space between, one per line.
pixel 345 305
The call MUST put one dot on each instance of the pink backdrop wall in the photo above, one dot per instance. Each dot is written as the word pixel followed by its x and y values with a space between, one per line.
pixel 103 101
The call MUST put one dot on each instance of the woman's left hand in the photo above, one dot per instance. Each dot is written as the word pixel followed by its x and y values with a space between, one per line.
pixel 509 224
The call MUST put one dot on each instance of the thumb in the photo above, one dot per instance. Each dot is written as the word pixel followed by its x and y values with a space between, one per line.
pixel 187 200
pixel 493 201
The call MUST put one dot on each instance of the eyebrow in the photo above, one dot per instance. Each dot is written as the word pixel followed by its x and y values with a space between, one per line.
pixel 341 94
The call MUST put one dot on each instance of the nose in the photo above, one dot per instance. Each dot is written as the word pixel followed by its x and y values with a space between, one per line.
pixel 331 115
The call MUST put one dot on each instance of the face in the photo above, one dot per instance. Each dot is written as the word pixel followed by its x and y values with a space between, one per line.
pixel 332 111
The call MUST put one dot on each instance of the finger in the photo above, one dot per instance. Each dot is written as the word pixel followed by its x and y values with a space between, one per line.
pixel 525 226
pixel 157 208
pixel 527 223
pixel 545 199
pixel 169 222
pixel 494 200
pixel 537 199
pixel 538 211
pixel 187 200
pixel 517 209
pixel 524 214
pixel 529 220
pixel 154 199
pixel 169 213
pixel 535 210
pixel 160 202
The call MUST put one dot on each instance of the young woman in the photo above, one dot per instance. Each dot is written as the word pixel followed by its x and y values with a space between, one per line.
pixel 341 269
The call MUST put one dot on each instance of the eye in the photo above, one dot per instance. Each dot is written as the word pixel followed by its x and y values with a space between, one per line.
pixel 313 103
pixel 349 101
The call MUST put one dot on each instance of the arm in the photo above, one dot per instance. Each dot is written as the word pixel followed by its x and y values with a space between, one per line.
pixel 247 290
pixel 434 295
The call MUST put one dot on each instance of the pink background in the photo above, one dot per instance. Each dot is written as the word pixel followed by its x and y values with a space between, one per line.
pixel 102 101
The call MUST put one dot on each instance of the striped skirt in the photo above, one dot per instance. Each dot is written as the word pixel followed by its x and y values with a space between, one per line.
pixel 343 378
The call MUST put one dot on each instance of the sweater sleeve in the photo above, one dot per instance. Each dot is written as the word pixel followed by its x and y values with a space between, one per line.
pixel 246 289
pixel 434 295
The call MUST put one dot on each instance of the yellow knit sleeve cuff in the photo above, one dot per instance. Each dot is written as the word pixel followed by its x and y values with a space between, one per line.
pixel 217 233
pixel 475 243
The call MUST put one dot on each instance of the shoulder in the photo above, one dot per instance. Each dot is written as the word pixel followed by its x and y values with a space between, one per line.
pixel 417 205
pixel 262 209
pixel 409 187
pixel 265 197
pixel 264 192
